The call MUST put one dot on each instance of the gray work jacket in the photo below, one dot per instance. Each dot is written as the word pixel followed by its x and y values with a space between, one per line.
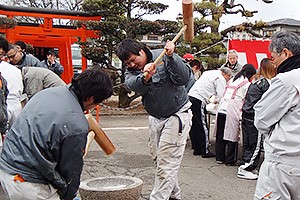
pixel 46 143
pixel 165 93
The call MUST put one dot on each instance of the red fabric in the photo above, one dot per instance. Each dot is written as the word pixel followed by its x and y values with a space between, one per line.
pixel 251 48
pixel 188 56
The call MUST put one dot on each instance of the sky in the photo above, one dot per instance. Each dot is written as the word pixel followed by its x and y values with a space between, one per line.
pixel 266 12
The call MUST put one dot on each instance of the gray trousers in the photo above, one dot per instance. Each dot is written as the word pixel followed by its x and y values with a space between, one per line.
pixel 278 180
pixel 16 190
pixel 167 146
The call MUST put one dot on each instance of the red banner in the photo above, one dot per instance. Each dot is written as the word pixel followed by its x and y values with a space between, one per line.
pixel 250 51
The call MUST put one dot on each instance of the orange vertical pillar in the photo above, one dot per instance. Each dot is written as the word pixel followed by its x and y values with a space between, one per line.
pixel 65 56
pixel 83 59
pixel 9 32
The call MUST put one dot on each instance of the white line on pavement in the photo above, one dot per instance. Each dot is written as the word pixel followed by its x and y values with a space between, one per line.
pixel 125 128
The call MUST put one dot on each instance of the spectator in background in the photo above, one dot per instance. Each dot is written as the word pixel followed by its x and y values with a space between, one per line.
pixel 14 84
pixel 52 64
pixel 227 125
pixel 232 62
pixel 191 81
pixel 17 57
pixel 21 45
pixel 211 82
pixel 36 79
pixel 197 68
pixel 277 116
pixel 251 137
pixel 29 49
pixel 188 58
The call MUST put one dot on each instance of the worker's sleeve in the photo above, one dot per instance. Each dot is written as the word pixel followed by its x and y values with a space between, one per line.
pixel 58 68
pixel 178 69
pixel 220 84
pixel 273 105
pixel 71 163
pixel 134 80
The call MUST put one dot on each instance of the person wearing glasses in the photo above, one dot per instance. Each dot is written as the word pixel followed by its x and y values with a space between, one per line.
pixel 14 84
pixel 21 45
pixel 277 117
pixel 17 57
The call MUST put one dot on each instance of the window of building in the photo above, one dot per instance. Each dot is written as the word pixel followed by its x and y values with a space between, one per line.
pixel 152 37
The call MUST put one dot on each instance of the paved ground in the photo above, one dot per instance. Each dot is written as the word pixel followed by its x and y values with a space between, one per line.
pixel 199 178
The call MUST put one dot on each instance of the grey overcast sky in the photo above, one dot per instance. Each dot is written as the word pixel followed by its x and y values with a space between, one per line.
pixel 266 12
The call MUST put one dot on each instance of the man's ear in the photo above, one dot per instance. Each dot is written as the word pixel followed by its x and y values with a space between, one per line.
pixel 91 98
pixel 287 53
pixel 141 52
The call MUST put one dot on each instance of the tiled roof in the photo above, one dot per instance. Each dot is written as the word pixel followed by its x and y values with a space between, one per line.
pixel 285 21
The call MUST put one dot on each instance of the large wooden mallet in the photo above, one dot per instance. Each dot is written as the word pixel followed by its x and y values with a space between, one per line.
pixel 98 134
pixel 188 27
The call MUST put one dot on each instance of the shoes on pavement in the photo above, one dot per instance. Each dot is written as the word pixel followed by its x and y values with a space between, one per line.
pixel 231 164
pixel 220 162
pixel 172 199
pixel 246 174
pixel 237 163
pixel 196 153
pixel 208 155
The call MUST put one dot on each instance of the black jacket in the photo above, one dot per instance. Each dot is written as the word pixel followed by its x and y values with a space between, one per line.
pixel 253 95
pixel 3 106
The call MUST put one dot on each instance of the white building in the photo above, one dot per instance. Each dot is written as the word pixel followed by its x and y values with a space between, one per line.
pixel 284 24
pixel 152 40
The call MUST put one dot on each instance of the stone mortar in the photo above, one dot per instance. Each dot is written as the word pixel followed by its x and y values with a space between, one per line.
pixel 111 188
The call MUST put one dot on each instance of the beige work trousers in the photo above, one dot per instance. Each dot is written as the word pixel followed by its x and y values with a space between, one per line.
pixel 278 181
pixel 26 190
pixel 167 146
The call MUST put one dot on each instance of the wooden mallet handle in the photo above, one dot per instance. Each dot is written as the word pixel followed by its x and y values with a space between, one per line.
pixel 100 137
pixel 165 50
pixel 90 138
pixel 187 29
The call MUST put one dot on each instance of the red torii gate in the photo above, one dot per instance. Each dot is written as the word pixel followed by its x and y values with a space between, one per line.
pixel 49 35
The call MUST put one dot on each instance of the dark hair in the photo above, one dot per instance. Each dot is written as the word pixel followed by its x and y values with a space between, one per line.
pixel 21 44
pixel 51 52
pixel 247 71
pixel 197 63
pixel 12 46
pixel 127 47
pixel 4 44
pixel 93 82
pixel 267 69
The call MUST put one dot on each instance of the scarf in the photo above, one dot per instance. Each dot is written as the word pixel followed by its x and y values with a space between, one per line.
pixel 289 64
